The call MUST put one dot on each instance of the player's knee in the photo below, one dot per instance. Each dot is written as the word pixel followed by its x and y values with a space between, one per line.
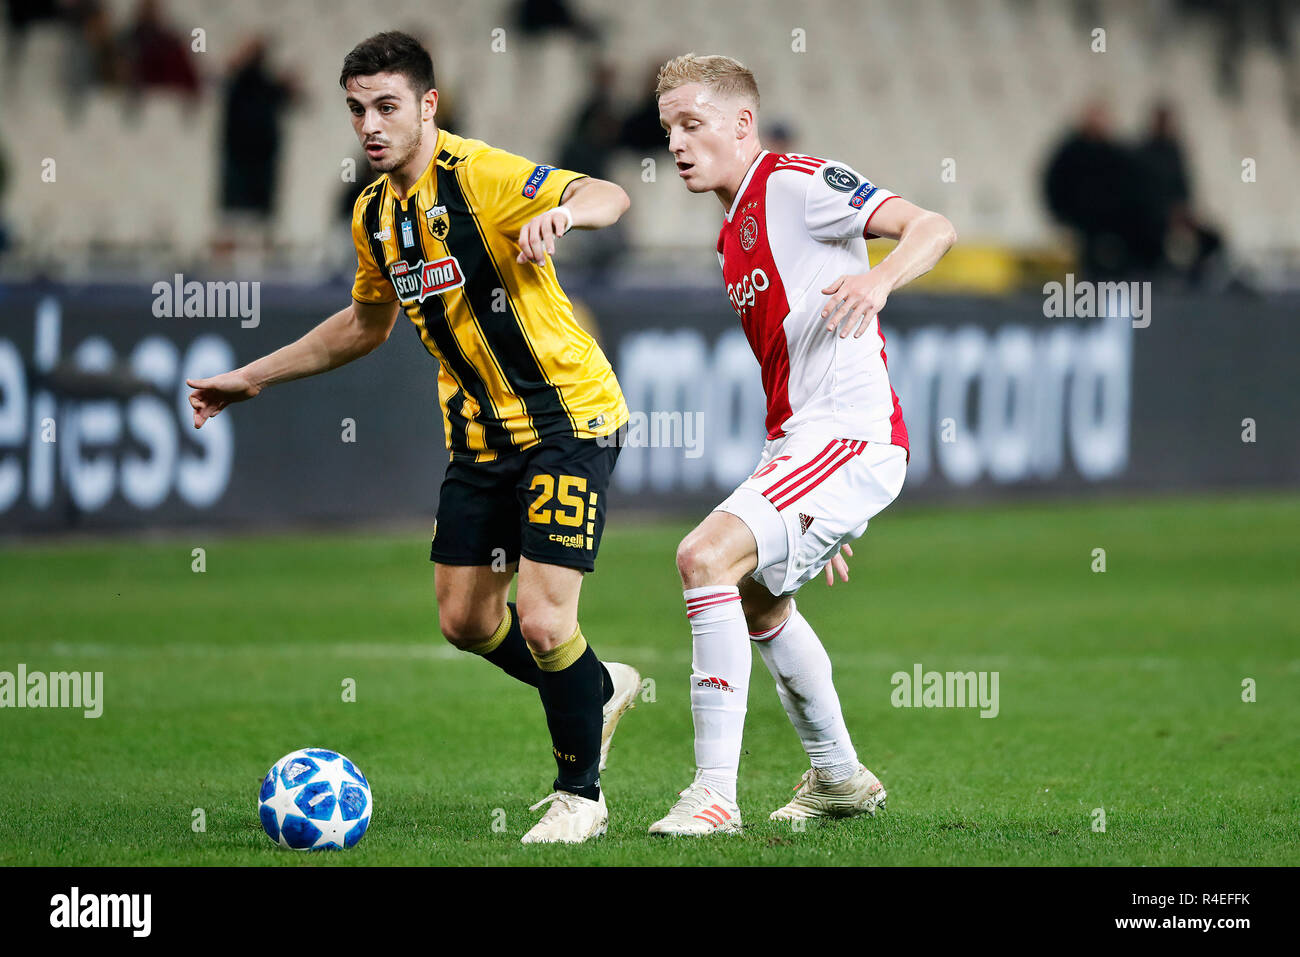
pixel 701 562
pixel 463 629
pixel 544 626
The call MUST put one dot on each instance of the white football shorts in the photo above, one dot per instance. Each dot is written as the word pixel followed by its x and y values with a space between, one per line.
pixel 807 497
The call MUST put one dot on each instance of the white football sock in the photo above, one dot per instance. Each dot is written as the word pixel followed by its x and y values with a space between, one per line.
pixel 802 670
pixel 720 663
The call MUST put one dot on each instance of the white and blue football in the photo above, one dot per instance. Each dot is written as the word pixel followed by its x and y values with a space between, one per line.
pixel 315 800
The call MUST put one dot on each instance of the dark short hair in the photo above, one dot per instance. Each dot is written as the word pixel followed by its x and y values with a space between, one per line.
pixel 390 52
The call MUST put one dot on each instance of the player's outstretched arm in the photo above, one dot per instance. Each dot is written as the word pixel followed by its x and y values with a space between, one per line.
pixel 923 238
pixel 592 203
pixel 350 333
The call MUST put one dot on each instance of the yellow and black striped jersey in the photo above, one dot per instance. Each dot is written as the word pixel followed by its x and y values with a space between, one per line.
pixel 514 365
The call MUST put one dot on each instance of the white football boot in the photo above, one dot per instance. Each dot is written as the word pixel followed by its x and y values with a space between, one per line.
pixel 627 682
pixel 813 797
pixel 699 811
pixel 571 819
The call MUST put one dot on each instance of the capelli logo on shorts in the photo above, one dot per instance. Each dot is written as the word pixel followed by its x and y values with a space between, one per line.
pixel 571 541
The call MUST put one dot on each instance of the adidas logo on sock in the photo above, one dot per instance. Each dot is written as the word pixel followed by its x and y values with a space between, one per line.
pixel 717 684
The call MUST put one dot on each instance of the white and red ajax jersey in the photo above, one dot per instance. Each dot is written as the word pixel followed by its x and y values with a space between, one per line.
pixel 797 224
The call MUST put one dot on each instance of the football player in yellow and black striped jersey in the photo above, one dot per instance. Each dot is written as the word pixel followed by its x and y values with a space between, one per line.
pixel 514 366
pixel 457 234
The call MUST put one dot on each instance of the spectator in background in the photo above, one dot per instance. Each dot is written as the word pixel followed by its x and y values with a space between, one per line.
pixel 779 137
pixel 1099 188
pixel 641 132
pixel 250 138
pixel 19 16
pixel 536 17
pixel 589 144
pixel 1190 244
pixel 592 135
pixel 96 60
pixel 157 57
pixel 93 58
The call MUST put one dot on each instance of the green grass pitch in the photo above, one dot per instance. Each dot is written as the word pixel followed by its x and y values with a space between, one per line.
pixel 1119 690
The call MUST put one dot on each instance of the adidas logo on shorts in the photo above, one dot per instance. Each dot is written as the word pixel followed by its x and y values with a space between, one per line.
pixel 804 522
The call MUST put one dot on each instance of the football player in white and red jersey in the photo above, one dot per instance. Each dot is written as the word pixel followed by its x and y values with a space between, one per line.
pixel 794 257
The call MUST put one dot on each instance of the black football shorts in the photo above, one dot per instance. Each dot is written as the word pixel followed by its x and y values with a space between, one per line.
pixel 546 503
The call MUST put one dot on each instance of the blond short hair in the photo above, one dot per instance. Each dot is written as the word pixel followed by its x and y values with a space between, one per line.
pixel 721 74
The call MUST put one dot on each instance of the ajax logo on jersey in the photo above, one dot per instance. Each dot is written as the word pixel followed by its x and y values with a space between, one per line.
pixel 748 233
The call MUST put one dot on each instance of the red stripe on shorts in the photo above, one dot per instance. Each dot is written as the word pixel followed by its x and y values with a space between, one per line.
pixel 809 482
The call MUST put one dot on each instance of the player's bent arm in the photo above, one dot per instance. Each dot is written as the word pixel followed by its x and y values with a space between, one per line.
pixel 923 238
pixel 350 333
pixel 923 235
pixel 595 203
pixel 592 203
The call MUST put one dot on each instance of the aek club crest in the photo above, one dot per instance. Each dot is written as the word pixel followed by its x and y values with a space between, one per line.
pixel 438 221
